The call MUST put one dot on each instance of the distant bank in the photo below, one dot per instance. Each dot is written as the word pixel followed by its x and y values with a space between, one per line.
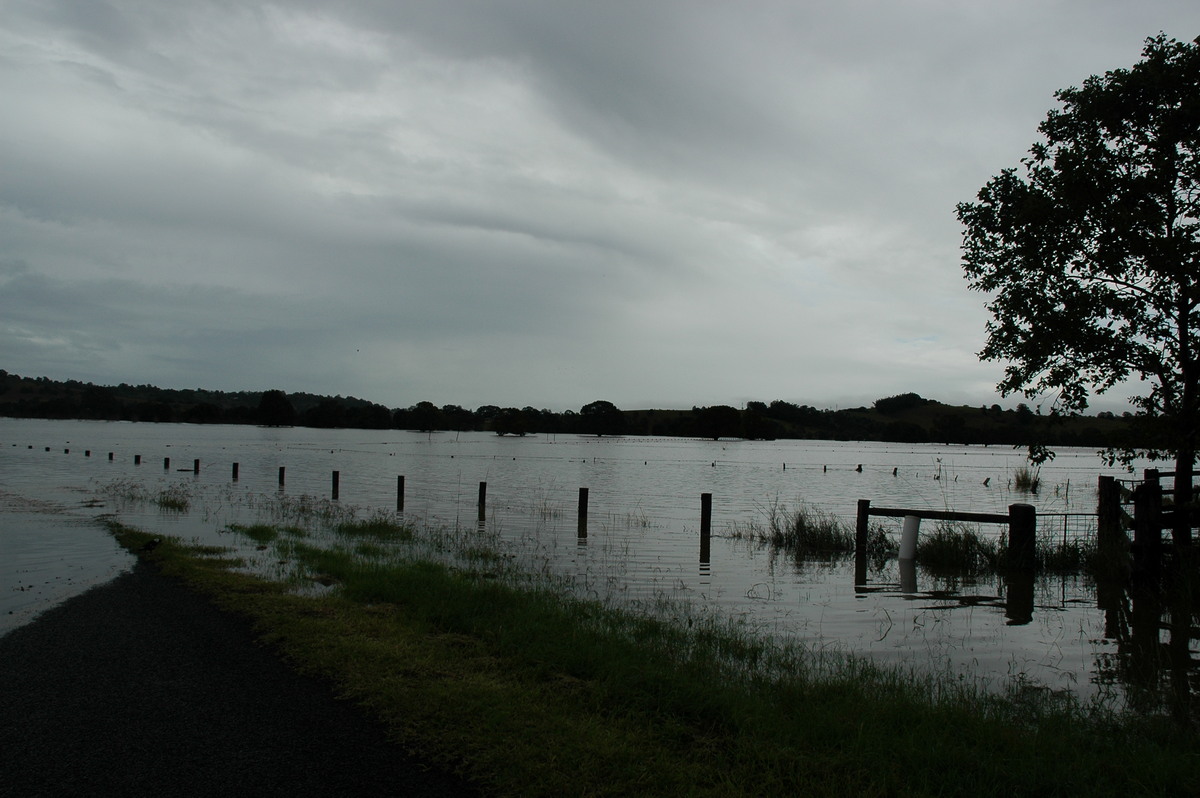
pixel 906 418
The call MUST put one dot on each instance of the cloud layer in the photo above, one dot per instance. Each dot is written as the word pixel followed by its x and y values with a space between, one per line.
pixel 520 203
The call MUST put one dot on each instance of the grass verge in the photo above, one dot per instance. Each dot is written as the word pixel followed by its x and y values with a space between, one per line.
pixel 532 693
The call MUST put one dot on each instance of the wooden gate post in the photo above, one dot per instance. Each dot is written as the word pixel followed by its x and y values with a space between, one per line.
pixel 861 532
pixel 1147 524
pixel 1022 536
pixel 1108 515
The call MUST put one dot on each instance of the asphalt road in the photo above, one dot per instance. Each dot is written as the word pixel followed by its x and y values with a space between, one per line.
pixel 141 687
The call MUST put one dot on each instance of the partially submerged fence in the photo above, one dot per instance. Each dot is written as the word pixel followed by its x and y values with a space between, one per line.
pixel 1151 515
pixel 1021 521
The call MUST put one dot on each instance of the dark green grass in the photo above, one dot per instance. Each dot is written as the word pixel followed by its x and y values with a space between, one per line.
pixel 260 533
pixel 536 693
pixel 378 527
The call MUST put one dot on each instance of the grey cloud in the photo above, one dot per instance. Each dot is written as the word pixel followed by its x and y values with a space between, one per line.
pixel 518 202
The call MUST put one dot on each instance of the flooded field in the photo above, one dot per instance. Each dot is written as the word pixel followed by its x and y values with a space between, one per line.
pixel 642 543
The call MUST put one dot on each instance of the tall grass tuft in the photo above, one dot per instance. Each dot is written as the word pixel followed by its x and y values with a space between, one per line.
pixel 259 533
pixel 1026 479
pixel 1066 556
pixel 176 498
pixel 807 530
pixel 959 547
pixel 378 527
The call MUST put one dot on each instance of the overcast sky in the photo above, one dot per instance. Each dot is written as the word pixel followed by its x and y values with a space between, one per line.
pixel 660 204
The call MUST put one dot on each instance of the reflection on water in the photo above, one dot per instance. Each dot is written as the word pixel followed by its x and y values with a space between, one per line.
pixel 1155 630
pixel 634 534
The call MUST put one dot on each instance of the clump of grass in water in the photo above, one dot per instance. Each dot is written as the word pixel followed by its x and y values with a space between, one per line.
pixel 260 533
pixel 807 529
pixel 959 547
pixel 1066 556
pixel 175 498
pixel 303 510
pixel 880 545
pixel 1026 479
pixel 378 527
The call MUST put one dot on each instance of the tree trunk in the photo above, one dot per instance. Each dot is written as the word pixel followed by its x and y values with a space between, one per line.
pixel 1181 534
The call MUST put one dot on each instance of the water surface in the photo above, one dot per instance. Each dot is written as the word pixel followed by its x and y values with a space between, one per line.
pixel 642 540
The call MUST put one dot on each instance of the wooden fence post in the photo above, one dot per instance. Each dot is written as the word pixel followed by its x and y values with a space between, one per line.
pixel 166 463
pixel 235 472
pixel 196 466
pixel 861 531
pixel 281 472
pixel 1022 536
pixel 1108 514
pixel 583 512
pixel 399 494
pixel 1147 524
pixel 337 475
pixel 705 526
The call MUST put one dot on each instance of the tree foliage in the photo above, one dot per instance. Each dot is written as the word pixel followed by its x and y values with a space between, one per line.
pixel 1091 254
pixel 601 418
pixel 276 410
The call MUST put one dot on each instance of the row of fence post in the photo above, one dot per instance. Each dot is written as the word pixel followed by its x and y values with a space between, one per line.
pixel 335 490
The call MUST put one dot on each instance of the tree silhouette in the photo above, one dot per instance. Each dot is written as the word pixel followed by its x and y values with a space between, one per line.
pixel 1091 256
pixel 274 410
pixel 601 418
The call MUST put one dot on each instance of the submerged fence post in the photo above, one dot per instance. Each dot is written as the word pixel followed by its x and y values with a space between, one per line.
pixel 482 505
pixel 235 472
pixel 861 530
pixel 1147 524
pixel 166 463
pixel 137 459
pixel 336 479
pixel 705 526
pixel 399 494
pixel 1022 534
pixel 196 466
pixel 1108 514
pixel 583 512
pixel 281 470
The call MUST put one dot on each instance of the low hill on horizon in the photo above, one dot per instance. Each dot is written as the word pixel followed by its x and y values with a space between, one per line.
pixel 903 418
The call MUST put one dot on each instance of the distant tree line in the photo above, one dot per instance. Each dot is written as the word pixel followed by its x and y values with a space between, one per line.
pixel 903 418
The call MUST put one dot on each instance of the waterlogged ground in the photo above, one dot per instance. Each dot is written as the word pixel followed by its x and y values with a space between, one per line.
pixel 641 546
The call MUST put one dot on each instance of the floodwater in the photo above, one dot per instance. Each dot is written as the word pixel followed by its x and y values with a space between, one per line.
pixel 642 539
